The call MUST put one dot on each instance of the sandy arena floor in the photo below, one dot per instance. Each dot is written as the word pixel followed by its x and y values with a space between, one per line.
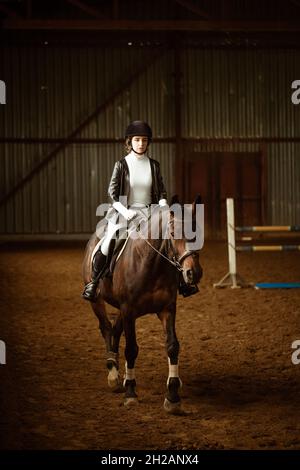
pixel 240 388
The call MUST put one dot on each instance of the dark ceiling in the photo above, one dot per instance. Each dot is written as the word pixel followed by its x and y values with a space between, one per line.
pixel 198 23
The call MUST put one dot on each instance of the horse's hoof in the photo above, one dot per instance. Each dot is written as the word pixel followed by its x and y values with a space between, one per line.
pixel 114 381
pixel 130 402
pixel 173 408
pixel 116 386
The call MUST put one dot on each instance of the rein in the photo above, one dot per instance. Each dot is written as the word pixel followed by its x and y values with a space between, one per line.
pixel 174 261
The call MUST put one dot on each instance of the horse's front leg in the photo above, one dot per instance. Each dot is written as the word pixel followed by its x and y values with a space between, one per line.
pixel 172 403
pixel 131 352
pixel 112 362
pixel 111 334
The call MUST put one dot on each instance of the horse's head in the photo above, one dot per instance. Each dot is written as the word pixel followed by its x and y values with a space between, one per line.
pixel 182 242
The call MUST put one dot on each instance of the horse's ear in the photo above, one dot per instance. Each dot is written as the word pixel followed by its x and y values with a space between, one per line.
pixel 174 200
pixel 198 200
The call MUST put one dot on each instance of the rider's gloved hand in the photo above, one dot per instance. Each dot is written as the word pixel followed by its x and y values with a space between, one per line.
pixel 129 214
pixel 162 202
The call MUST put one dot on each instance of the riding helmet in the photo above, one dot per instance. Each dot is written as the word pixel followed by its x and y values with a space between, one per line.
pixel 139 128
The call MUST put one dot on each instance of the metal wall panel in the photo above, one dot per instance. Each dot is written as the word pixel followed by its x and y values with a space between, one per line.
pixel 237 93
pixel 240 93
pixel 284 183
pixel 225 93
pixel 50 92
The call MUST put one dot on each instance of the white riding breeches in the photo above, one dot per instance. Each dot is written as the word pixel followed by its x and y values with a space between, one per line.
pixel 122 226
pixel 110 234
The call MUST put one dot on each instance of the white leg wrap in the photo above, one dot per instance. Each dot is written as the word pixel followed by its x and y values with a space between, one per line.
pixel 173 372
pixel 129 374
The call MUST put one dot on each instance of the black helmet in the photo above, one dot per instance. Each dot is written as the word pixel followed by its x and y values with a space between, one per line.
pixel 139 128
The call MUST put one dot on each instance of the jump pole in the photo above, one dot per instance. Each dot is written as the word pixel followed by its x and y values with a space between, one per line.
pixel 269 228
pixel 232 278
pixel 268 248
pixel 277 285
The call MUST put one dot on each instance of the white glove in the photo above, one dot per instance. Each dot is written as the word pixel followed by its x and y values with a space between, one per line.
pixel 130 214
pixel 127 213
pixel 162 202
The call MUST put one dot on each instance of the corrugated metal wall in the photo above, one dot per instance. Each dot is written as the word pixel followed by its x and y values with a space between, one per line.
pixel 224 93
pixel 240 93
pixel 235 93
pixel 49 92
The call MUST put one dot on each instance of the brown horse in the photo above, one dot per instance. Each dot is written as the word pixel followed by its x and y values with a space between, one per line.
pixel 145 280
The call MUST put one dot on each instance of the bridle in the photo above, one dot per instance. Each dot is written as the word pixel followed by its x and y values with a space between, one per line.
pixel 178 260
pixel 175 260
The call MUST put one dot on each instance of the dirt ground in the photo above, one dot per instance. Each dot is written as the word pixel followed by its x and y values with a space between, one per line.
pixel 240 388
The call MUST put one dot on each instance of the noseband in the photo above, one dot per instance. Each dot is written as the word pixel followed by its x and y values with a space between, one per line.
pixel 178 260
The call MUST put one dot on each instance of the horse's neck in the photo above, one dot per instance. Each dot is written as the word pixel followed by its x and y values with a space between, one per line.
pixel 147 254
pixel 151 247
pixel 148 249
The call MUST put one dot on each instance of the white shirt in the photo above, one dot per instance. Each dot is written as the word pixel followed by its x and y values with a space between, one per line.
pixel 140 178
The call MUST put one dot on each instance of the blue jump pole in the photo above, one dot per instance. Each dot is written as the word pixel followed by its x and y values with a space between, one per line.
pixel 278 285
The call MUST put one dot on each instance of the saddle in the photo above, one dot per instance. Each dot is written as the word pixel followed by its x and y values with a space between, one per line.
pixel 119 245
pixel 115 250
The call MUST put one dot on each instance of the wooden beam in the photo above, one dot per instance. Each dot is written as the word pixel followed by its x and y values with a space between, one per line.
pixel 96 140
pixel 86 8
pixel 166 26
pixel 236 140
pixel 193 8
pixel 75 140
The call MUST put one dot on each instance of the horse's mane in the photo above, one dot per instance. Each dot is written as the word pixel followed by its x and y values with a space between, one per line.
pixel 156 225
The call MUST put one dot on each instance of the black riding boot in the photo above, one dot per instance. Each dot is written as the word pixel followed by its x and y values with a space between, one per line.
pixel 99 264
pixel 187 289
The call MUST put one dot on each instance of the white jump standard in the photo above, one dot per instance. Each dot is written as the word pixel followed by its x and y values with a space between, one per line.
pixel 232 278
